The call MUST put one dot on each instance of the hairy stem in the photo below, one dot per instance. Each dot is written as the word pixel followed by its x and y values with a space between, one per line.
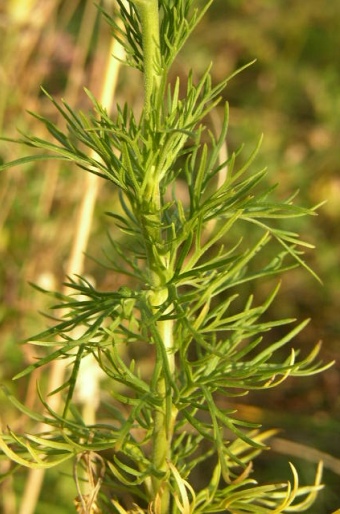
pixel 165 415
pixel 160 271
pixel 149 16
pixel 159 266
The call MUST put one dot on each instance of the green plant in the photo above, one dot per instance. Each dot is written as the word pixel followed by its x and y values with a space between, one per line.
pixel 183 304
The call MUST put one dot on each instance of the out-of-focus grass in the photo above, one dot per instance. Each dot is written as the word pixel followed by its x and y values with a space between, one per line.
pixel 290 94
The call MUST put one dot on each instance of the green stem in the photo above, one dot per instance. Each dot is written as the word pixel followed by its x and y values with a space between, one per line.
pixel 149 16
pixel 159 264
pixel 164 418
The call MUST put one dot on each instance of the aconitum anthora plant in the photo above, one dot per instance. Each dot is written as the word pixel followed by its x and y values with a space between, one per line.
pixel 184 304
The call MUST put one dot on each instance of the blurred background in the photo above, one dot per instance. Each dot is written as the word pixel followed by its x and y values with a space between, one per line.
pixel 291 94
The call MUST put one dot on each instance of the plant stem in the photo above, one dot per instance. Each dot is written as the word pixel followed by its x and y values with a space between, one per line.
pixel 76 262
pixel 165 415
pixel 149 16
pixel 158 262
pixel 160 271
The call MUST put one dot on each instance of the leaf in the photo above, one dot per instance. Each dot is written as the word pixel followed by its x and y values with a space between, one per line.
pixel 37 462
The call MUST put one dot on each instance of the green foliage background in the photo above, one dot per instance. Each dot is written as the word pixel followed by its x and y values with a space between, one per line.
pixel 291 95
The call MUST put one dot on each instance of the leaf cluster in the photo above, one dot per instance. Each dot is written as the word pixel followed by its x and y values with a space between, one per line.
pixel 183 253
pixel 177 21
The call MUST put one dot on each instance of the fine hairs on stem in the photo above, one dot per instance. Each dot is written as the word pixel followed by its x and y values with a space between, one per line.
pixel 183 336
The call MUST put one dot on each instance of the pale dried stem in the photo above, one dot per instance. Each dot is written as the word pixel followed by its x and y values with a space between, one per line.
pixel 75 266
pixel 73 86
pixel 52 167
